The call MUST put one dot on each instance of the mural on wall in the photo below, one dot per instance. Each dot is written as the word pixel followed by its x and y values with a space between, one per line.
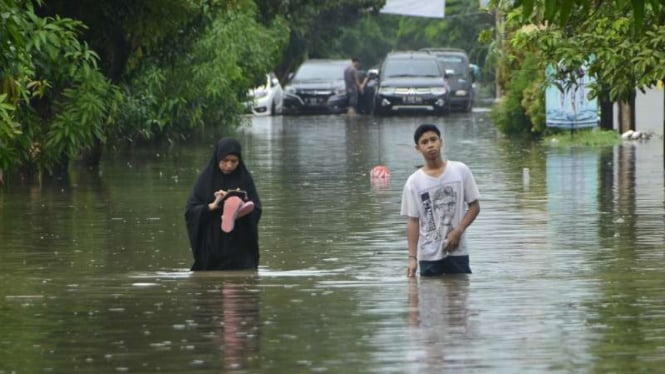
pixel 566 101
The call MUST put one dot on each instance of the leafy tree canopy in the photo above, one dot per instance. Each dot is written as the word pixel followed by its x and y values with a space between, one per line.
pixel 561 12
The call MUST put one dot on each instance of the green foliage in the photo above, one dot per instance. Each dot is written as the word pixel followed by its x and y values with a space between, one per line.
pixel 620 58
pixel 562 12
pixel 377 34
pixel 523 91
pixel 313 26
pixel 601 34
pixel 369 40
pixel 54 100
pixel 81 112
pixel 9 129
pixel 522 79
pixel 205 84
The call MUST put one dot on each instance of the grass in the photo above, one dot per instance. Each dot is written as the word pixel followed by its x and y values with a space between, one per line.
pixel 586 138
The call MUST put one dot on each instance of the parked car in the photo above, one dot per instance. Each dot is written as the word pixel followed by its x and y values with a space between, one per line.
pixel 411 81
pixel 317 86
pixel 461 76
pixel 266 99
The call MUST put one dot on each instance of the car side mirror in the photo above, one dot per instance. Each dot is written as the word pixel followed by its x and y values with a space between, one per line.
pixel 373 73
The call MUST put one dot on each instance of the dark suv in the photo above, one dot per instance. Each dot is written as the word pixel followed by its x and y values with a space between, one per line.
pixel 460 76
pixel 411 81
pixel 317 86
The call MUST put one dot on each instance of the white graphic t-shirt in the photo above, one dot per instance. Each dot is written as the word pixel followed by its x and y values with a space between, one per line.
pixel 439 203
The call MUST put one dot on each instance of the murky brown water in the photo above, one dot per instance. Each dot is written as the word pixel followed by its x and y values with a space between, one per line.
pixel 568 255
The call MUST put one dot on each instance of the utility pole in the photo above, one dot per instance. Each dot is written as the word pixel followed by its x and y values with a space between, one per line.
pixel 498 24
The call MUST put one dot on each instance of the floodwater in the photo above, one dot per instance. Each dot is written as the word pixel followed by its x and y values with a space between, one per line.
pixel 567 256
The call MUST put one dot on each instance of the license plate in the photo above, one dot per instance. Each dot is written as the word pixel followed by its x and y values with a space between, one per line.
pixel 312 100
pixel 413 99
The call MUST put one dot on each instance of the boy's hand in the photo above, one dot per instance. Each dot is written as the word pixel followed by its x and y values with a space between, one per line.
pixel 453 239
pixel 413 266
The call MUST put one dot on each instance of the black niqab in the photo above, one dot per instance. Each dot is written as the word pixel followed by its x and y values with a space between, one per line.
pixel 212 248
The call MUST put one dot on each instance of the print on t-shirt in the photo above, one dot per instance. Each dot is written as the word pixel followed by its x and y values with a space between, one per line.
pixel 439 206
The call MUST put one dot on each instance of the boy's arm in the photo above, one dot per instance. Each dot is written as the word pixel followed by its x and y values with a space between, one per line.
pixel 470 215
pixel 412 233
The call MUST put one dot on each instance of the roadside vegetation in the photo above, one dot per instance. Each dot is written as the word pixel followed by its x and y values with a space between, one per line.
pixel 585 138
pixel 622 43
pixel 80 78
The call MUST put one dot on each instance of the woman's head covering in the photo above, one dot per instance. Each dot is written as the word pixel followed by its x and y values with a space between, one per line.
pixel 235 179
pixel 213 179
pixel 227 146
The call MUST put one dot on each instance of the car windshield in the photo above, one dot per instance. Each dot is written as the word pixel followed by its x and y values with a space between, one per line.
pixel 455 63
pixel 320 71
pixel 411 68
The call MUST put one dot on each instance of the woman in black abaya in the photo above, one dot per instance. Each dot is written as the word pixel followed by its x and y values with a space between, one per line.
pixel 212 248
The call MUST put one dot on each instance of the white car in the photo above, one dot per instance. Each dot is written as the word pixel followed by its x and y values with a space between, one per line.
pixel 267 99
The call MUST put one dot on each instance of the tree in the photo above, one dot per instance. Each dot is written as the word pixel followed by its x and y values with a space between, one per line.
pixel 313 25
pixel 181 64
pixel 201 77
pixel 54 102
pixel 561 12
pixel 621 56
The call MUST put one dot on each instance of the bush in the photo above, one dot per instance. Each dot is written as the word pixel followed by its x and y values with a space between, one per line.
pixel 523 90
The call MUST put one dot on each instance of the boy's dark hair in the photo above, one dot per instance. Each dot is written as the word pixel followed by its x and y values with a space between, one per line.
pixel 425 127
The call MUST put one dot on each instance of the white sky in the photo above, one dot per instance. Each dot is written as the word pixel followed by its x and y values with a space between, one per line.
pixel 418 8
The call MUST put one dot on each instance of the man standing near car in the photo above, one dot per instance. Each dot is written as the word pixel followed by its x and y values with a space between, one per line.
pixel 353 85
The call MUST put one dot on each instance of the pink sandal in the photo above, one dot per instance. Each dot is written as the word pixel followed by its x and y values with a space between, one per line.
pixel 230 212
pixel 246 208
pixel 236 204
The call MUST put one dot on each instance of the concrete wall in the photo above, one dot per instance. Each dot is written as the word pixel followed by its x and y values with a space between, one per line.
pixel 649 111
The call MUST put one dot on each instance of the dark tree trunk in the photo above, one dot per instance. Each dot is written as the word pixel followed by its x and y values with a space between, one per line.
pixel 606 110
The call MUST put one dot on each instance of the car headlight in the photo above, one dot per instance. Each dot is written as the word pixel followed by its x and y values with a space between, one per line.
pixel 438 90
pixel 340 91
pixel 290 90
pixel 260 93
pixel 387 91
pixel 461 93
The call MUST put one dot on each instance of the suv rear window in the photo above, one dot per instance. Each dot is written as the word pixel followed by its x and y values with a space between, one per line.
pixel 455 63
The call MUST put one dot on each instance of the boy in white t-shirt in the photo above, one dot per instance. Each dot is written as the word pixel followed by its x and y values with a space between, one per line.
pixel 440 200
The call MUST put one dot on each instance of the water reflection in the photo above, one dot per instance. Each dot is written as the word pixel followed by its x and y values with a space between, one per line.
pixel 572 187
pixel 567 263
pixel 227 312
pixel 439 322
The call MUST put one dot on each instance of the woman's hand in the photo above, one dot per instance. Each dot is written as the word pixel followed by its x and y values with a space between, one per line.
pixel 219 195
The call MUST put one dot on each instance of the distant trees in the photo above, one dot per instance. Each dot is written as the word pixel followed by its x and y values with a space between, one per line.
pixel 314 26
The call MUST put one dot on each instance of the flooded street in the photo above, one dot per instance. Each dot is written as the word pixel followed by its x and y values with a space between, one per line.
pixel 567 256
